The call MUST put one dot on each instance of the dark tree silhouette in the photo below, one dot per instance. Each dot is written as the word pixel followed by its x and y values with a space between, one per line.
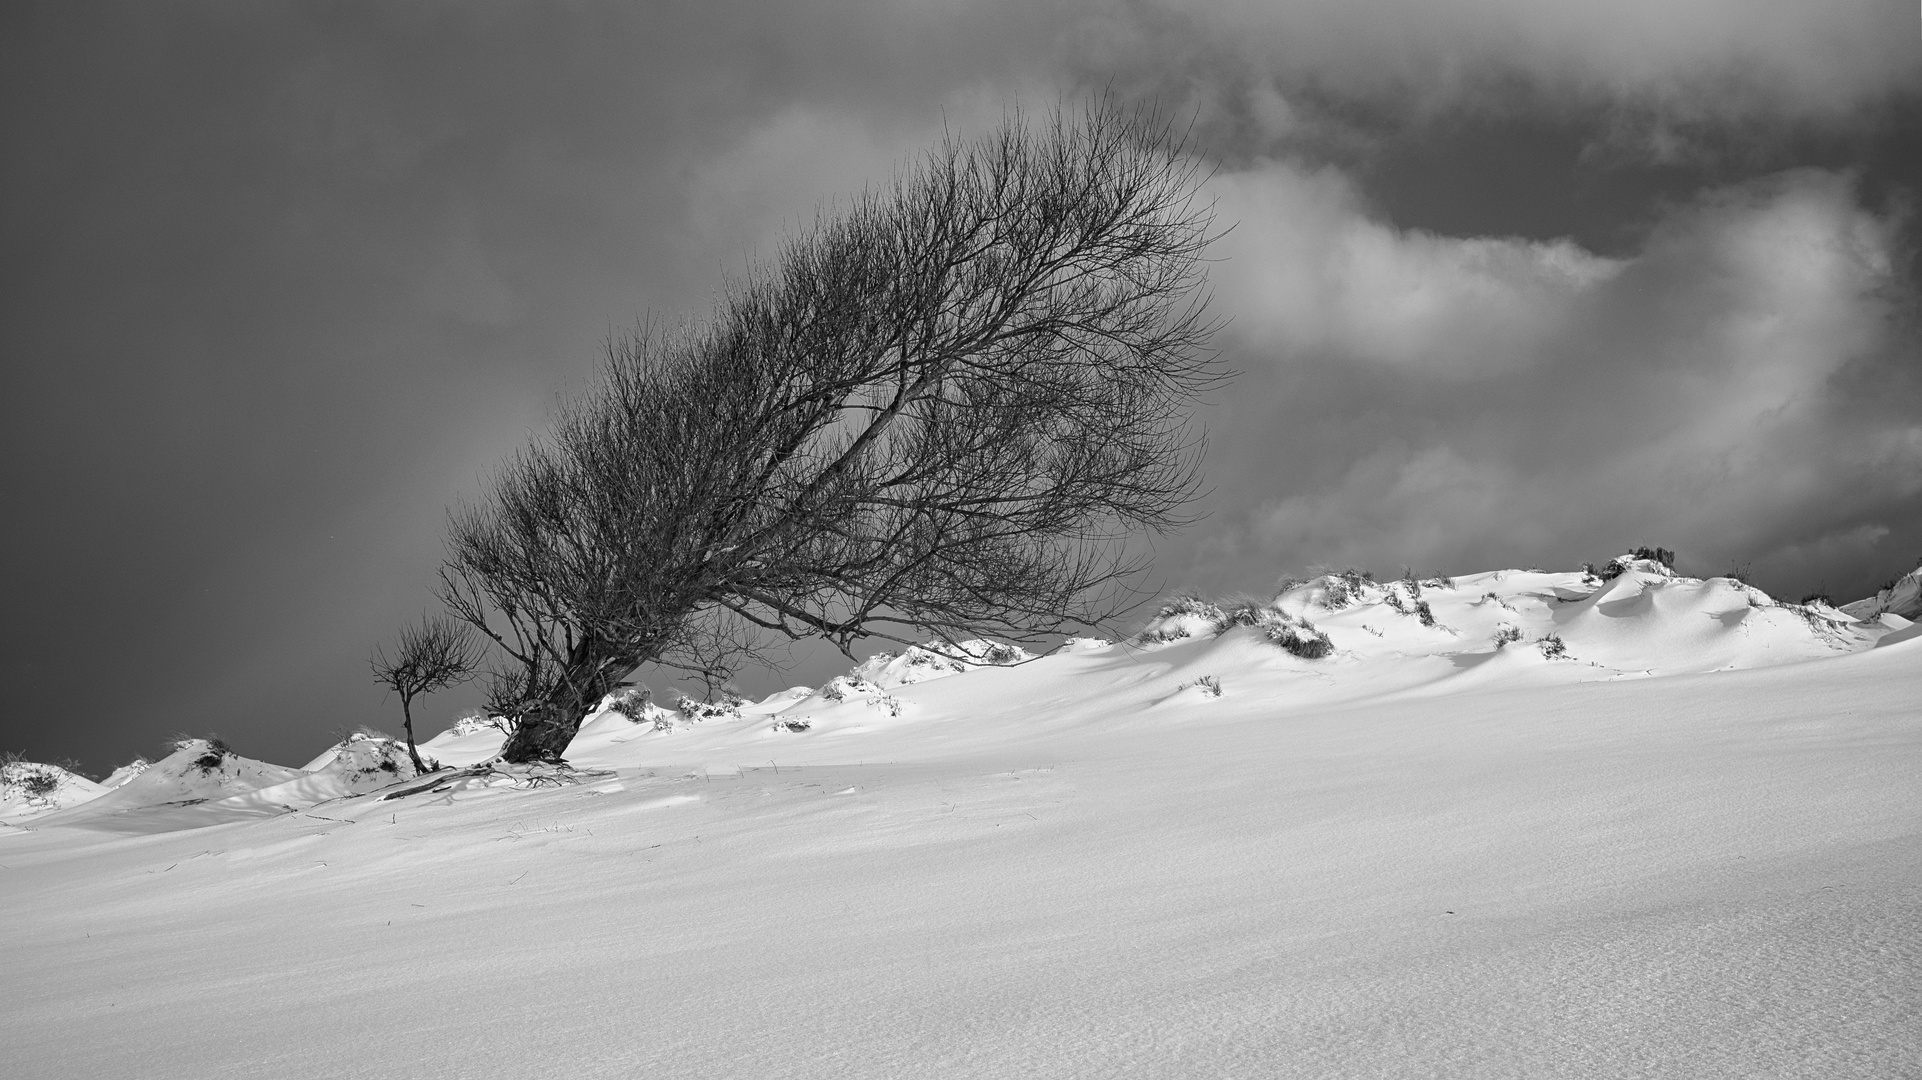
pixel 431 655
pixel 942 410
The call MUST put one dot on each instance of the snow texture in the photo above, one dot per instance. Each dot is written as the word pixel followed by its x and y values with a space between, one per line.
pixel 1690 847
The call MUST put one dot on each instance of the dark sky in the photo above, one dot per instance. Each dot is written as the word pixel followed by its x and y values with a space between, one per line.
pixel 1509 283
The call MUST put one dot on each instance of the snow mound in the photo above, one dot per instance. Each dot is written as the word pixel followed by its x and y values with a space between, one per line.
pixel 935 660
pixel 29 789
pixel 126 772
pixel 780 699
pixel 197 774
pixel 1902 597
pixel 1188 617
pixel 1182 617
pixel 1339 639
pixel 855 690
pixel 364 761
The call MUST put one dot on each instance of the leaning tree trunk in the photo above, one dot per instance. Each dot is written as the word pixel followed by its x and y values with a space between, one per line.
pixel 407 718
pixel 545 730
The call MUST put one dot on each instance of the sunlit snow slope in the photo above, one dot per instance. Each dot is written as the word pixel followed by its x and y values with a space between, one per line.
pixel 1514 825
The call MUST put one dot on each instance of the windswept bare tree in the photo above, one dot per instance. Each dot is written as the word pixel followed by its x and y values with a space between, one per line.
pixel 431 655
pixel 942 411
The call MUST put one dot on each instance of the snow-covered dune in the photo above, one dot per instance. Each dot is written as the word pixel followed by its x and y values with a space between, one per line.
pixel 1903 597
pixel 1518 824
pixel 180 790
pixel 29 789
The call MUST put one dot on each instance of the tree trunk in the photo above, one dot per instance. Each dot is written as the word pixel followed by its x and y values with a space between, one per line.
pixel 407 721
pixel 542 734
pixel 545 730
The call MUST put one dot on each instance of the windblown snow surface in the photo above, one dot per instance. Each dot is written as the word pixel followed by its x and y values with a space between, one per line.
pixel 1689 846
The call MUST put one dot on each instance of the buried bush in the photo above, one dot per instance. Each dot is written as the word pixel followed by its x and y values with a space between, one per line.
pixel 1658 554
pixel 631 701
pixel 1344 587
pixel 1182 605
pixel 1415 605
pixel 1209 685
pixel 1616 567
pixel 1188 604
pixel 726 707
pixel 30 778
pixel 1424 613
pixel 1292 633
pixel 1506 635
pixel 478 720
pixel 211 757
pixel 1300 638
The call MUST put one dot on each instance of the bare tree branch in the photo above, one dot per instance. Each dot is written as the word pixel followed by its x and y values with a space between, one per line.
pixel 431 655
pixel 944 409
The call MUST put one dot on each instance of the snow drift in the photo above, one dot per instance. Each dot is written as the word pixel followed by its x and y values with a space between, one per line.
pixel 1513 824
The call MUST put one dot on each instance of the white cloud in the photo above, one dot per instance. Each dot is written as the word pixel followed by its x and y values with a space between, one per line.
pixel 1306 267
pixel 1732 389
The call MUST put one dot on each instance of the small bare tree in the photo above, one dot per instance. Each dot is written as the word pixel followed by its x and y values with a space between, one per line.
pixel 942 410
pixel 431 655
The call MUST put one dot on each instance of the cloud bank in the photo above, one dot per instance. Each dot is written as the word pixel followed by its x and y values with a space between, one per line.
pixel 1745 386
pixel 1706 59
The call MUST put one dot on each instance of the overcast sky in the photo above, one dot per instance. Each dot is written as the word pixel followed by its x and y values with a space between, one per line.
pixel 1509 283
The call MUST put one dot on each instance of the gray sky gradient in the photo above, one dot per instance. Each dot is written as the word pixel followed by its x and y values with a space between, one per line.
pixel 1508 283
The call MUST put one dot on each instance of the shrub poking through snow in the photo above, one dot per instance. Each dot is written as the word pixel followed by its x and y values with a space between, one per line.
pixel 1658 554
pixel 936 660
pixel 1336 590
pixel 844 687
pixel 1662 558
pixel 798 723
pixel 373 756
pixel 1183 616
pixel 1552 647
pixel 212 755
pixel 727 708
pixel 1414 604
pixel 1299 637
pixel 630 701
pixel 34 781
pixel 1209 685
pixel 851 688
pixel 995 653
pixel 1506 634
pixel 917 663
pixel 477 721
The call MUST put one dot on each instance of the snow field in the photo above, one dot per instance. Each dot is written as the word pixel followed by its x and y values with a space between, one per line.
pixel 1686 850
